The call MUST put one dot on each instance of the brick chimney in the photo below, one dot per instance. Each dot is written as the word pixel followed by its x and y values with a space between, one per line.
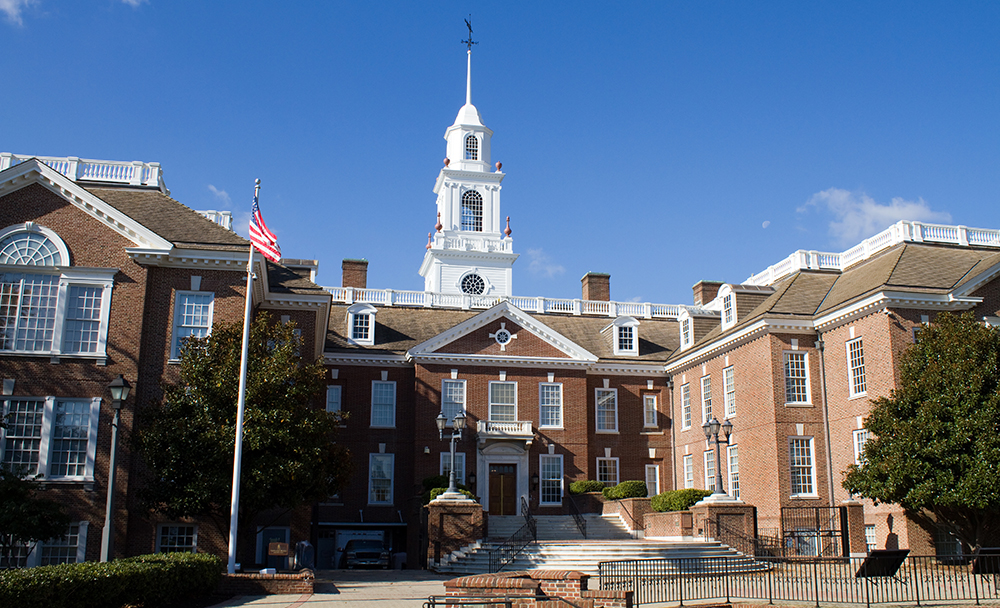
pixel 705 291
pixel 596 286
pixel 355 273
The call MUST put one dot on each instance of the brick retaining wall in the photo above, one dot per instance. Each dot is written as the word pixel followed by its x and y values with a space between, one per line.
pixel 538 588
pixel 266 584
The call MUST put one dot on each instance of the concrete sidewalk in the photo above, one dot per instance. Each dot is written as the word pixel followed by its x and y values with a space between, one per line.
pixel 355 589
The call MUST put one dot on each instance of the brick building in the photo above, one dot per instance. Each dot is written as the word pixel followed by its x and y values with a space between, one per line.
pixel 555 390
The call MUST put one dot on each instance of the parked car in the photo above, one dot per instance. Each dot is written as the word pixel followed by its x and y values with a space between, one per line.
pixel 359 552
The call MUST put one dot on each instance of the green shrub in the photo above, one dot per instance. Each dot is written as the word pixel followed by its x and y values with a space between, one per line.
pixel 147 580
pixel 435 492
pixel 678 500
pixel 586 485
pixel 626 489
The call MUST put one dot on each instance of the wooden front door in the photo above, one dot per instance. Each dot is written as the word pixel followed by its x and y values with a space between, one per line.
pixel 503 489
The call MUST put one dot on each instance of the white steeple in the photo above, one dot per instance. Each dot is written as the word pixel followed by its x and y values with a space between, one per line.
pixel 471 251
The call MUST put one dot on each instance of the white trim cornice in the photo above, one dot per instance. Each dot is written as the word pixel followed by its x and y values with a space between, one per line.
pixel 547 362
pixel 750 332
pixel 893 299
pixel 366 359
pixel 626 369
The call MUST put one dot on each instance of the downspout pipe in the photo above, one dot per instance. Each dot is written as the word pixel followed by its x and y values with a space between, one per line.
pixel 820 346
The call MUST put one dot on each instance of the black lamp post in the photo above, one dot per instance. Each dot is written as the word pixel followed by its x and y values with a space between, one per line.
pixel 119 388
pixel 458 424
pixel 711 429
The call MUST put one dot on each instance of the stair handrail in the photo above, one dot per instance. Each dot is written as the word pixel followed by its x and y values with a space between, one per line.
pixel 574 510
pixel 742 542
pixel 631 526
pixel 509 549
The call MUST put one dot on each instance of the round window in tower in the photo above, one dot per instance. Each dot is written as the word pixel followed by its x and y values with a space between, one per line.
pixel 473 284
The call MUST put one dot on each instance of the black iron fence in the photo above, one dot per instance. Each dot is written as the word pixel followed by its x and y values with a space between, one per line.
pixel 491 601
pixel 881 578
pixel 814 531
pixel 505 552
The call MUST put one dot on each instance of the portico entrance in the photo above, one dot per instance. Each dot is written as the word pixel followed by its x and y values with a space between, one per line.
pixel 503 489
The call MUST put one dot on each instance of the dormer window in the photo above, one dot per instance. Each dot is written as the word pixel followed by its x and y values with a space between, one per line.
pixel 686 329
pixel 728 299
pixel 625 336
pixel 471 147
pixel 361 324
pixel 472 211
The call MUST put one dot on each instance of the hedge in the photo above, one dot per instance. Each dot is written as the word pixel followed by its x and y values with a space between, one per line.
pixel 435 492
pixel 147 581
pixel 678 500
pixel 586 485
pixel 626 489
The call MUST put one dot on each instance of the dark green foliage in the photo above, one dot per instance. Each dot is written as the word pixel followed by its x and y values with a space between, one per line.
pixel 435 481
pixel 438 484
pixel 626 489
pixel 677 500
pixel 290 456
pixel 934 446
pixel 586 485
pixel 147 581
pixel 435 492
pixel 25 517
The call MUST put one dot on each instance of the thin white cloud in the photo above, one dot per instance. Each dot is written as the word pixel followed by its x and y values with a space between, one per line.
pixel 541 265
pixel 241 223
pixel 134 3
pixel 857 216
pixel 12 9
pixel 222 195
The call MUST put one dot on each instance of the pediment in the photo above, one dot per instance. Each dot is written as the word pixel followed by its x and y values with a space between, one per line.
pixel 503 333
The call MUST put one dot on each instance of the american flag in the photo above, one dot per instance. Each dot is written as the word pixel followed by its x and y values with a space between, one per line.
pixel 262 238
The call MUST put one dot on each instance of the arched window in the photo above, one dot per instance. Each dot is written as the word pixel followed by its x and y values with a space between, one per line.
pixel 29 246
pixel 472 211
pixel 471 147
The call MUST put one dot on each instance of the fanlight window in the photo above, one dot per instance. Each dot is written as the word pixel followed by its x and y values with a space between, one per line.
pixel 29 249
pixel 472 211
pixel 471 148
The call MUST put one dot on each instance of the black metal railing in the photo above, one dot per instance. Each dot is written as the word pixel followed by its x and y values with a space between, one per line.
pixel 484 601
pixel 574 510
pixel 505 552
pixel 881 578
pixel 814 531
pixel 743 542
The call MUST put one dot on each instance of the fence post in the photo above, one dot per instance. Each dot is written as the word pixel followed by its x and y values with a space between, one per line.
pixel 680 582
pixel 975 583
pixel 770 592
pixel 816 581
pixel 727 578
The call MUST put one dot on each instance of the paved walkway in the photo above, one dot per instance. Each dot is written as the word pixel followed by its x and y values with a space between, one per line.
pixel 355 589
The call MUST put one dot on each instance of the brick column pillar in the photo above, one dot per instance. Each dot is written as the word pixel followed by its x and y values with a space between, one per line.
pixel 854 535
pixel 733 514
pixel 452 525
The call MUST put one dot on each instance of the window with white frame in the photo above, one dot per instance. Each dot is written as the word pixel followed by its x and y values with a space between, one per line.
pixel 49 307
pixel 860 439
pixel 652 479
pixel 550 479
pixel 550 405
pixel 856 367
pixel 192 318
pixel 361 324
pixel 452 399
pixel 686 406
pixel 61 549
pixel 728 307
pixel 706 399
pixel 607 471
pixel 459 466
pixel 800 451
pixel 380 472
pixel 607 410
pixel 471 147
pixel 729 386
pixel 686 335
pixel 503 401
pixel 177 538
pixel 796 377
pixel 733 455
pixel 472 211
pixel 709 456
pixel 688 462
pixel 333 393
pixel 67 548
pixel 55 438
pixel 625 338
pixel 870 541
pixel 649 411
pixel 383 404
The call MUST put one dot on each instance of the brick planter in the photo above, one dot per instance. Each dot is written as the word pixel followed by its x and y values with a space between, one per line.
pixel 266 584
pixel 539 588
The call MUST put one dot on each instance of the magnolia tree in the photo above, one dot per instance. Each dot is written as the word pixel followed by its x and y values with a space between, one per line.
pixel 290 457
pixel 934 446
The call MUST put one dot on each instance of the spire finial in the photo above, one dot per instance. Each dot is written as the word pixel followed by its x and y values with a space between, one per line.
pixel 507 230
pixel 468 74
pixel 428 240
pixel 438 226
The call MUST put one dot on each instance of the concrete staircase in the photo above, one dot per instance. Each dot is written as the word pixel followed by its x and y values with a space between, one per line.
pixel 560 546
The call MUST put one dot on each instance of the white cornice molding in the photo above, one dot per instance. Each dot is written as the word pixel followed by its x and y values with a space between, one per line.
pixel 192 258
pixel 612 368
pixel 978 281
pixel 503 309
pixel 480 360
pixel 366 359
pixel 738 338
pixel 34 171
pixel 893 299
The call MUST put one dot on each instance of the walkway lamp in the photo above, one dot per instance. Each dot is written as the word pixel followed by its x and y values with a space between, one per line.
pixel 711 429
pixel 458 425
pixel 120 389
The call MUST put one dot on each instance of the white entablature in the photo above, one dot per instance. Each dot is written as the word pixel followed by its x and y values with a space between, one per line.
pixel 470 251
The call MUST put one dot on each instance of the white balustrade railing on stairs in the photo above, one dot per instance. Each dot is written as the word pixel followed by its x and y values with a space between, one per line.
pixel 135 173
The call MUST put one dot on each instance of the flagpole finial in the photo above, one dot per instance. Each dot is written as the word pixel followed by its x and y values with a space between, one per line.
pixel 257 181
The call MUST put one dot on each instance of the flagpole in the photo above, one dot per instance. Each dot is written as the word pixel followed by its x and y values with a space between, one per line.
pixel 241 404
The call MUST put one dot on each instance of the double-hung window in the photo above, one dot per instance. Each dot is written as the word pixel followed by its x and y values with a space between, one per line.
pixel 361 324
pixel 68 548
pixel 48 307
pixel 796 378
pixel 380 473
pixel 459 466
pixel 709 456
pixel 550 402
pixel 607 410
pixel 800 451
pixel 688 471
pixel 607 471
pixel 550 479
pixel 649 411
pixel 54 438
pixel 733 454
pixel 452 398
pixel 192 318
pixel 729 386
pixel 503 401
pixel 625 337
pixel 706 399
pixel 333 398
pixel 652 479
pixel 860 439
pixel 383 404
pixel 686 406
pixel 177 538
pixel 856 367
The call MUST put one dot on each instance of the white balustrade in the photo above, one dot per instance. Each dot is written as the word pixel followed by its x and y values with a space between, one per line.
pixel 496 428
pixel 78 169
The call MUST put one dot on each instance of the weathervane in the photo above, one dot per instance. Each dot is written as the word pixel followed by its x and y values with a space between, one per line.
pixel 470 41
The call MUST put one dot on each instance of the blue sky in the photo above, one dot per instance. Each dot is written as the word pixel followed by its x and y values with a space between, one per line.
pixel 660 142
